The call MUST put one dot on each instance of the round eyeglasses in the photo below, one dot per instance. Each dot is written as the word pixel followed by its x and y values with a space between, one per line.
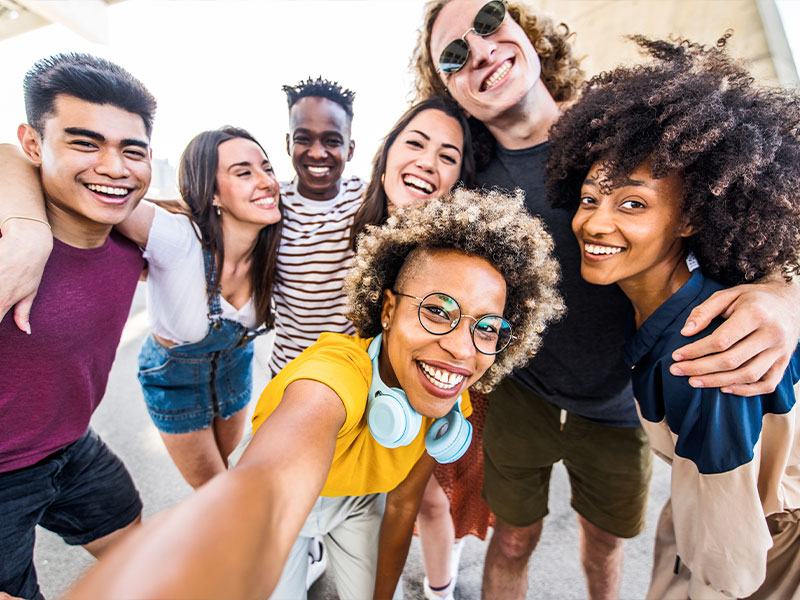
pixel 440 313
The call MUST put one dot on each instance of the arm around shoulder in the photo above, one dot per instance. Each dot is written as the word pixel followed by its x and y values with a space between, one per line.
pixel 749 352
pixel 258 509
pixel 26 240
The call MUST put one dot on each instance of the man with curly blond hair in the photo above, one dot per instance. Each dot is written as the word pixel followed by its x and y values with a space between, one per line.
pixel 512 70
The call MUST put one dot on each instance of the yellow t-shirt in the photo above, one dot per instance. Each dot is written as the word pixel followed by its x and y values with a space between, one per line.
pixel 360 464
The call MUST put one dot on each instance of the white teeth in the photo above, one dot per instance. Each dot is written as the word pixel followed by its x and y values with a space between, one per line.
pixel 264 202
pixel 497 75
pixel 442 379
pixel 111 191
pixel 414 181
pixel 592 249
pixel 319 170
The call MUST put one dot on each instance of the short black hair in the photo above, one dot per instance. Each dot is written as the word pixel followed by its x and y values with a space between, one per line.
pixel 321 88
pixel 88 78
pixel 696 111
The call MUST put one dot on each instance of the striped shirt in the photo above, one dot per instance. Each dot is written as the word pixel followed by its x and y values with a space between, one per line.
pixel 313 259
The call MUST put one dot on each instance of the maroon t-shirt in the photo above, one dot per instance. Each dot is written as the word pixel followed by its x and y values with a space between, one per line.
pixel 52 381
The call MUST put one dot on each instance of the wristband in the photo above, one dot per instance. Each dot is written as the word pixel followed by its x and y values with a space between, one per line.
pixel 7 219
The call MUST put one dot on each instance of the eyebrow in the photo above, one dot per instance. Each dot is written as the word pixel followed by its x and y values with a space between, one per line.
pixel 101 138
pixel 246 163
pixel 428 138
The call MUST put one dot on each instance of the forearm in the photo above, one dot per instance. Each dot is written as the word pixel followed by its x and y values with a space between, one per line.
pixel 22 189
pixel 397 527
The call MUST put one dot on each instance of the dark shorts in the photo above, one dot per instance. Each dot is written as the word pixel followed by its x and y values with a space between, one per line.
pixel 609 467
pixel 82 493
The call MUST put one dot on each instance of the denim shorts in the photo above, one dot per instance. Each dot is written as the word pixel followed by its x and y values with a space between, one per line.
pixel 82 493
pixel 186 386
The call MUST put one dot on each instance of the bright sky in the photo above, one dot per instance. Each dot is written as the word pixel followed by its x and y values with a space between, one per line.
pixel 211 63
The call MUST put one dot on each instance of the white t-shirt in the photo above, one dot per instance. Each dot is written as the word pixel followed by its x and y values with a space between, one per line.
pixel 177 300
pixel 314 256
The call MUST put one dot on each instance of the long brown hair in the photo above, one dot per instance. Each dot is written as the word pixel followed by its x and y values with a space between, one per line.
pixel 374 211
pixel 197 175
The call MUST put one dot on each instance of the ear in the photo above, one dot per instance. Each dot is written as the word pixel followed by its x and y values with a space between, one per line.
pixel 388 309
pixel 31 143
pixel 350 150
pixel 687 230
pixel 288 145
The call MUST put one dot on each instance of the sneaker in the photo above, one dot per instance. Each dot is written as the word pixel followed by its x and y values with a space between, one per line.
pixel 317 560
pixel 445 594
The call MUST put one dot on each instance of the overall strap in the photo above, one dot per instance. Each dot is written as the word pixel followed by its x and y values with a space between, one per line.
pixel 214 308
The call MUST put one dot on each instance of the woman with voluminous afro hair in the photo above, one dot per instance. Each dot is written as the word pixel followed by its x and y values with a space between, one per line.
pixel 487 224
pixel 696 111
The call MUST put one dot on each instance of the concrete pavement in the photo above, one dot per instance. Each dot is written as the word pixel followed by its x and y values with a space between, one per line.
pixel 122 421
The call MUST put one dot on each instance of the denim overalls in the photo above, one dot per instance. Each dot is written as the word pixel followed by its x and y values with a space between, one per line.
pixel 186 385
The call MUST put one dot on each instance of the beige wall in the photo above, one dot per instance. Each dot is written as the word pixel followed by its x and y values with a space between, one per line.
pixel 601 25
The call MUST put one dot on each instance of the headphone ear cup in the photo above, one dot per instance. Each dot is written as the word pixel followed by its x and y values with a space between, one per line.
pixel 391 420
pixel 449 437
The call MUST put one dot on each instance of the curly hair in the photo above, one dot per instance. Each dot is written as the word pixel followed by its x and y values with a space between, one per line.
pixel 491 225
pixel 561 71
pixel 694 110
pixel 321 88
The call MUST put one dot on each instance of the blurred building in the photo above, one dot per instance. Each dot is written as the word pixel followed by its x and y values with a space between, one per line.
pixel 600 27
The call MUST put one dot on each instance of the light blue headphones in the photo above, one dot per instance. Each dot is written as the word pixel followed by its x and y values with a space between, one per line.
pixel 393 423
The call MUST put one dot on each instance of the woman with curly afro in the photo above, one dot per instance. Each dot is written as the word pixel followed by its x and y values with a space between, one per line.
pixel 448 295
pixel 683 176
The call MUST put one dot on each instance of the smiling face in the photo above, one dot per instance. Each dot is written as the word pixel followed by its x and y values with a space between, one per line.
pixel 502 69
pixel 434 370
pixel 633 235
pixel 247 190
pixel 320 145
pixel 94 163
pixel 424 161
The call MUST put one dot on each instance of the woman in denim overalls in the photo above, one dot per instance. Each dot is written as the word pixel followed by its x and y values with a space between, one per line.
pixel 209 290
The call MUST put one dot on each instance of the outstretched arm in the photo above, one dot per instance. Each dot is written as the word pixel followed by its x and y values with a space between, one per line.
pixel 231 538
pixel 26 242
pixel 397 527
pixel 748 353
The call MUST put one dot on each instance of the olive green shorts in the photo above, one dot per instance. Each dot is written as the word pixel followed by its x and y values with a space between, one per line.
pixel 609 467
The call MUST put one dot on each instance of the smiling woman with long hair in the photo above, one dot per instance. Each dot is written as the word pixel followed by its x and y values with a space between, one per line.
pixel 446 295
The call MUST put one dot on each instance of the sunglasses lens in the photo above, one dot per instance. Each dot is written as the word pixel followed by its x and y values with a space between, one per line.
pixel 454 56
pixel 489 18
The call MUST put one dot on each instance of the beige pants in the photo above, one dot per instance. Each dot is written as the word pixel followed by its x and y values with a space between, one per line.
pixel 783 561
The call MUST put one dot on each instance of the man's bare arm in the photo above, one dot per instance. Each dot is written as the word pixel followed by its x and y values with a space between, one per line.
pixel 748 353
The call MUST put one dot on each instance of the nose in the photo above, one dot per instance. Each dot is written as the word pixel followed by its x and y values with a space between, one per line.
pixel 317 150
pixel 480 48
pixel 458 343
pixel 111 163
pixel 267 181
pixel 426 159
pixel 599 221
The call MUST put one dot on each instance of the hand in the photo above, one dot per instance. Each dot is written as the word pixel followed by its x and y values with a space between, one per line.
pixel 24 250
pixel 748 353
pixel 4 596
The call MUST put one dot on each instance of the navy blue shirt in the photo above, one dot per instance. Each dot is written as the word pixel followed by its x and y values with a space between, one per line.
pixel 716 431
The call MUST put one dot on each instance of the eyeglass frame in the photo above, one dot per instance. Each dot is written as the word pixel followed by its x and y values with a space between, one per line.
pixel 466 33
pixel 454 325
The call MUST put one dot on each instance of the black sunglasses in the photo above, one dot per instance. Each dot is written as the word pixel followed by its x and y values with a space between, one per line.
pixel 487 21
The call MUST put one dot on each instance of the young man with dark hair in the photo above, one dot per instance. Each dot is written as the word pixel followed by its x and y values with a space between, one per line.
pixel 318 211
pixel 88 131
